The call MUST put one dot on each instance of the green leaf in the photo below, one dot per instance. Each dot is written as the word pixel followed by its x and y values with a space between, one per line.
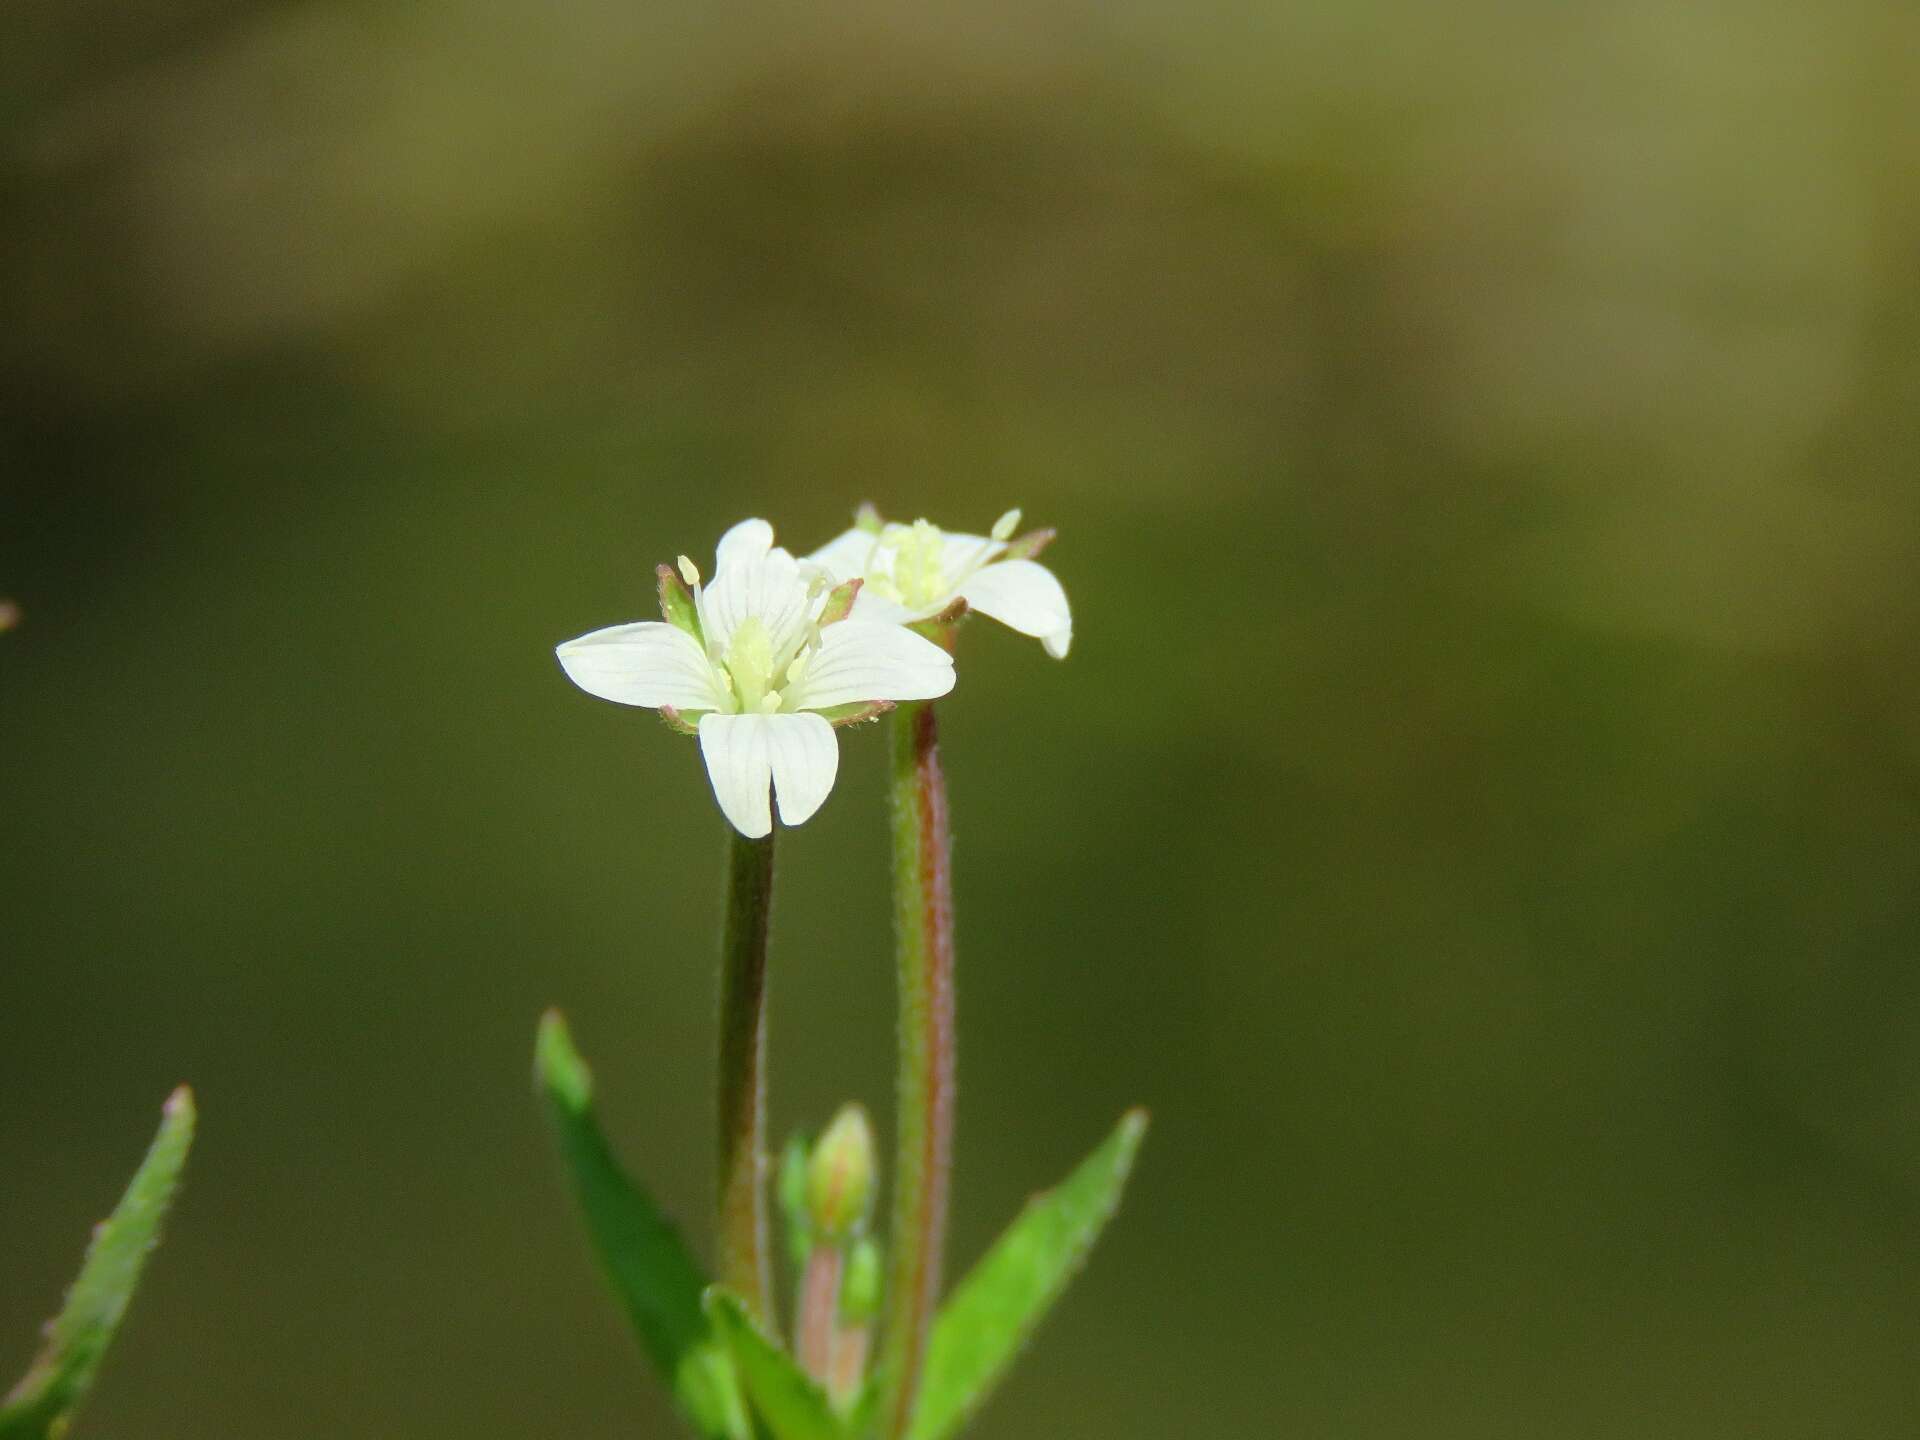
pixel 789 1400
pixel 643 1256
pixel 41 1406
pixel 993 1311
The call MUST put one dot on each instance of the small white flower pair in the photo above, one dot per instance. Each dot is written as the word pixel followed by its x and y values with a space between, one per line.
pixel 768 657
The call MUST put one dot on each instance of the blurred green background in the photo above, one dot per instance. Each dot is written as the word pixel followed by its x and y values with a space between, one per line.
pixel 1480 816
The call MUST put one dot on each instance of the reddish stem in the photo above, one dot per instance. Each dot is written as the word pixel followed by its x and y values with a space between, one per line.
pixel 923 921
pixel 819 1310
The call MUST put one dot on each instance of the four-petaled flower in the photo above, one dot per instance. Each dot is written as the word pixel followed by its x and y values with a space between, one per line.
pixel 916 572
pixel 751 662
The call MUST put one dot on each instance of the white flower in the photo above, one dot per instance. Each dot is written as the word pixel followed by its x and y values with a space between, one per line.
pixel 915 572
pixel 753 661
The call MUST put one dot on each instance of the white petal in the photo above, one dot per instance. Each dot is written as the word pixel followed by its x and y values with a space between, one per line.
pixel 879 610
pixel 961 555
pixel 797 755
pixel 647 663
pixel 859 660
pixel 1026 597
pixel 735 749
pixel 847 554
pixel 806 757
pixel 748 540
pixel 753 577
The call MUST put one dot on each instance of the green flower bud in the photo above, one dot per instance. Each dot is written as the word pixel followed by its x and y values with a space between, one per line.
pixel 840 1176
pixel 860 1284
pixel 792 1189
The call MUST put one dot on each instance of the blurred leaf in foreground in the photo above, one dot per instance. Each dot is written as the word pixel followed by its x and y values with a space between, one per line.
pixel 641 1253
pixel 993 1311
pixel 41 1406
pixel 789 1400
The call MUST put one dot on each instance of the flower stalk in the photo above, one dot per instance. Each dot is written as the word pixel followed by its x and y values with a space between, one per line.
pixel 817 1316
pixel 923 921
pixel 744 1263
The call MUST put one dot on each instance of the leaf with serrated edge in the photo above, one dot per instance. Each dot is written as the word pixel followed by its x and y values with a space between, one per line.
pixel 42 1404
pixel 641 1253
pixel 993 1311
pixel 789 1400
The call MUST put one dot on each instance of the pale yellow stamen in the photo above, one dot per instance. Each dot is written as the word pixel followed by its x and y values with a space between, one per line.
pixel 919 570
pixel 750 662
pixel 689 572
pixel 1006 524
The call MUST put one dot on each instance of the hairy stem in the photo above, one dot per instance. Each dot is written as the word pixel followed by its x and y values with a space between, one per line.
pixel 923 932
pixel 744 1263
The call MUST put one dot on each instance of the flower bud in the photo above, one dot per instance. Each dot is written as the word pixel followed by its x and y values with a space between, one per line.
pixel 840 1176
pixel 792 1190
pixel 860 1284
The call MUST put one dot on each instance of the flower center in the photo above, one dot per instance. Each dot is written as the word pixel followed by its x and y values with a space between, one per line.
pixel 749 664
pixel 755 674
pixel 919 572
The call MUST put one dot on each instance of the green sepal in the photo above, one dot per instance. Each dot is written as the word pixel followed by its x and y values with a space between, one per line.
pixel 642 1255
pixel 787 1399
pixel 856 713
pixel 995 1309
pixel 791 1187
pixel 840 601
pixel 1025 547
pixel 676 604
pixel 952 615
pixel 41 1406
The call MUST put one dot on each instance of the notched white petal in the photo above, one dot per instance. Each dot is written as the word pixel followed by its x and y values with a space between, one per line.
pixel 740 769
pixel 859 660
pixel 647 663
pixel 1023 596
pixel 748 540
pixel 806 756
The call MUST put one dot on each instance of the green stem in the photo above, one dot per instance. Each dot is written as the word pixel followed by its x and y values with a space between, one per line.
pixel 744 1263
pixel 923 932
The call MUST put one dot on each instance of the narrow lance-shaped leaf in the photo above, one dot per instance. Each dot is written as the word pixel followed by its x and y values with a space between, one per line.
pixel 993 1311
pixel 787 1399
pixel 642 1255
pixel 42 1404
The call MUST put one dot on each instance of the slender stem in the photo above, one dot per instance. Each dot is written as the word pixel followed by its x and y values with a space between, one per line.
pixel 923 933
pixel 819 1311
pixel 744 1265
pixel 848 1366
